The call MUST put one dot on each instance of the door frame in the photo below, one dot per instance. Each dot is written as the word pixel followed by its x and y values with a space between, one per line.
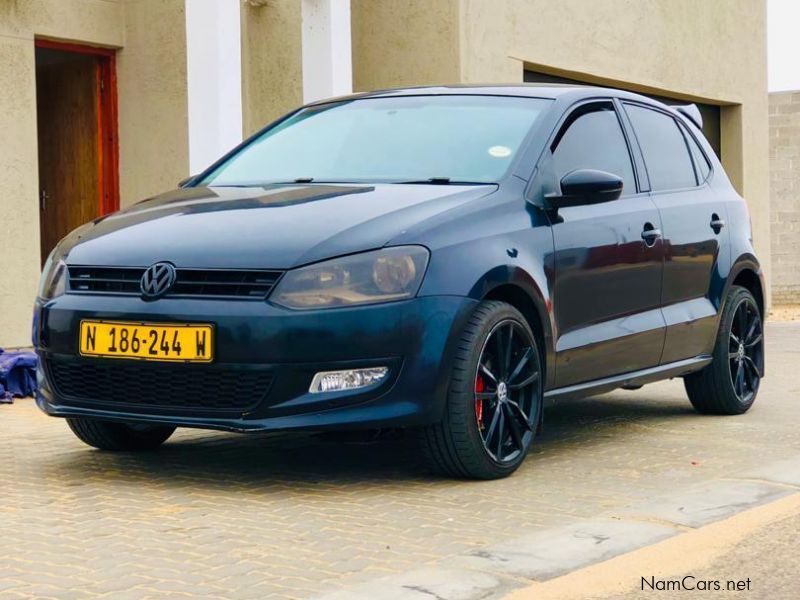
pixel 107 116
pixel 607 333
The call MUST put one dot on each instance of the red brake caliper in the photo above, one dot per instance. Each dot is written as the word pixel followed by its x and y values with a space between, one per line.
pixel 480 386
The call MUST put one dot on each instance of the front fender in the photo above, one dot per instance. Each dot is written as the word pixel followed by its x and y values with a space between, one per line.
pixel 502 282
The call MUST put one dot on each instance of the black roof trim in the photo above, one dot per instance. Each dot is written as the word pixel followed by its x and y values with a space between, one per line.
pixel 532 90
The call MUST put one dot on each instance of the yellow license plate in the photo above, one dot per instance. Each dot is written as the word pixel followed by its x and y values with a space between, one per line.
pixel 147 341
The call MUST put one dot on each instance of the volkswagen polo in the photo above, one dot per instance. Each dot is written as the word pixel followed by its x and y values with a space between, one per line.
pixel 446 260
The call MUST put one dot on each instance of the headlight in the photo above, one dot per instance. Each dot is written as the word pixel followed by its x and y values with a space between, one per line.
pixel 53 282
pixel 380 276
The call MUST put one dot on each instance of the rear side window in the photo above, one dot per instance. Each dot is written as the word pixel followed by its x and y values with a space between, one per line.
pixel 592 139
pixel 701 165
pixel 666 154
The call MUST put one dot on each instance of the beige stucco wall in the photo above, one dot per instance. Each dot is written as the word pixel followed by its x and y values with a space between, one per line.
pixel 152 119
pixel 153 100
pixel 19 225
pixel 417 41
pixel 272 72
pixel 714 51
pixel 405 43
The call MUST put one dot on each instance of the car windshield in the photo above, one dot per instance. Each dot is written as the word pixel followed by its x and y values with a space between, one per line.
pixel 437 139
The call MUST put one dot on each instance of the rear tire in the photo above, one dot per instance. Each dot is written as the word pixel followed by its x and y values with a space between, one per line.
pixel 492 412
pixel 729 385
pixel 108 435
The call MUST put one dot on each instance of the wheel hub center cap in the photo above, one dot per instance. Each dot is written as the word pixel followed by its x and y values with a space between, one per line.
pixel 740 352
pixel 502 391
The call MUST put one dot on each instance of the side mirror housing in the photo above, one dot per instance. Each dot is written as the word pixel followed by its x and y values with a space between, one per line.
pixel 587 186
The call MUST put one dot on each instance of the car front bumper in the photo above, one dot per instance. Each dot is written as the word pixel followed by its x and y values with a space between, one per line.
pixel 264 360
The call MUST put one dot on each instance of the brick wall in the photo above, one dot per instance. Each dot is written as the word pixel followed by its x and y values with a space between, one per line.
pixel 784 166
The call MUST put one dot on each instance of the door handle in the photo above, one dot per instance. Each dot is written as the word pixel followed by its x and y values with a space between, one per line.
pixel 650 234
pixel 716 223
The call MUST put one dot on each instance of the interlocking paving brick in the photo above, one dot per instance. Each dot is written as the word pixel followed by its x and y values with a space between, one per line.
pixel 297 516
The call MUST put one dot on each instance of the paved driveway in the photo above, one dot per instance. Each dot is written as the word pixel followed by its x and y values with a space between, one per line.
pixel 294 516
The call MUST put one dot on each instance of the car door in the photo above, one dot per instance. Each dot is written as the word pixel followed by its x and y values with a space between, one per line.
pixel 608 257
pixel 693 225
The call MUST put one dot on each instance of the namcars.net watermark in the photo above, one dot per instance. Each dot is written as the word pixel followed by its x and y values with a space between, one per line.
pixel 691 583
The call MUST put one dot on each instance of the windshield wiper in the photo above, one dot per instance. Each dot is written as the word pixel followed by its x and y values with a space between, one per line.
pixel 429 181
pixel 443 181
pixel 263 183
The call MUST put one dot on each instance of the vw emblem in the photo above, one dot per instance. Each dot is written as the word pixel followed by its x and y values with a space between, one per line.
pixel 157 280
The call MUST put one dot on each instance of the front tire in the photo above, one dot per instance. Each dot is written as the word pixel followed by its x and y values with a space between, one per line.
pixel 108 435
pixel 494 400
pixel 729 385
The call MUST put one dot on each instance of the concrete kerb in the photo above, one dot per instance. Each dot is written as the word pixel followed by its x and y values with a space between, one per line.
pixel 495 571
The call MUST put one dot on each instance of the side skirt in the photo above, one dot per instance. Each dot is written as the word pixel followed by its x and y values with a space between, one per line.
pixel 633 379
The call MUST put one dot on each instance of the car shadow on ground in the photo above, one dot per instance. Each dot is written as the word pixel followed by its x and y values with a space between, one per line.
pixel 218 460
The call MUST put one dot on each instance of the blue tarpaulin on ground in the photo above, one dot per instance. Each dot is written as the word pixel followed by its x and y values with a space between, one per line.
pixel 17 374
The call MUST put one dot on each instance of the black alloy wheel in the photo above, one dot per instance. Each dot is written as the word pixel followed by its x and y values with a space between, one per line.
pixel 746 350
pixel 493 407
pixel 729 385
pixel 506 391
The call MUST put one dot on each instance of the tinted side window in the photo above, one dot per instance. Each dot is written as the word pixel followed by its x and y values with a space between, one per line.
pixel 666 155
pixel 700 161
pixel 593 139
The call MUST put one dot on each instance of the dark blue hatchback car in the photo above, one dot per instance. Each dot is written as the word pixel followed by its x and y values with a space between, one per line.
pixel 443 260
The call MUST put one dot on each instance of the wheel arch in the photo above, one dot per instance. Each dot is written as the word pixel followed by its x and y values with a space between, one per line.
pixel 521 291
pixel 746 272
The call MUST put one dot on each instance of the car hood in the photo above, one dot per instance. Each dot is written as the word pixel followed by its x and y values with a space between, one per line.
pixel 276 226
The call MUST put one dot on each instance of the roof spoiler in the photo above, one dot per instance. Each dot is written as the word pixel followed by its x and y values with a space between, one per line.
pixel 691 112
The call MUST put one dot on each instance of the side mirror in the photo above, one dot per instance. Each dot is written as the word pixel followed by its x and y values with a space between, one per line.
pixel 185 182
pixel 587 186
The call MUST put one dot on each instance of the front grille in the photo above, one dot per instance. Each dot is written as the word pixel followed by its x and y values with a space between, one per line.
pixel 181 388
pixel 189 283
pixel 106 280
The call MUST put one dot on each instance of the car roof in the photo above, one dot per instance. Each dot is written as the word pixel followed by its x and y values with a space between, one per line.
pixel 531 90
pixel 568 92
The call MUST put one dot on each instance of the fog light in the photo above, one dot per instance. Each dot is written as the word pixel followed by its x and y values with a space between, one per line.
pixel 351 379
